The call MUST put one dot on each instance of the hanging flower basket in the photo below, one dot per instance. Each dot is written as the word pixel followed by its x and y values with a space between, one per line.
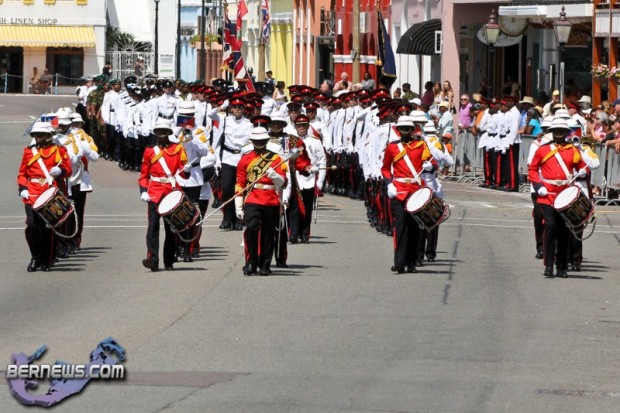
pixel 600 71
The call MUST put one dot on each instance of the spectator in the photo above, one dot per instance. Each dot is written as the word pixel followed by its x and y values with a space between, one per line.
pixel 34 80
pixel 555 98
pixel 464 115
pixel 279 95
pixel 437 99
pixel 447 95
pixel 532 123
pixel 45 82
pixel 428 96
pixel 325 88
pixel 599 127
pixel 139 67
pixel 407 92
pixel 368 83
pixel 269 78
pixel 484 89
pixel 445 120
pixel 107 69
pixel 397 93
pixel 343 85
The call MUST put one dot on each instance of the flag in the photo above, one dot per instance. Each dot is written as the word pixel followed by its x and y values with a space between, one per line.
pixel 242 10
pixel 266 20
pixel 233 58
pixel 387 75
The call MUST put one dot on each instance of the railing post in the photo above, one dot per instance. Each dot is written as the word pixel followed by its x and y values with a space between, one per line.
pixel 6 82
pixel 56 84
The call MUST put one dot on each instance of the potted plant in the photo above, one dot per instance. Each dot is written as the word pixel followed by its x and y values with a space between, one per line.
pixel 600 71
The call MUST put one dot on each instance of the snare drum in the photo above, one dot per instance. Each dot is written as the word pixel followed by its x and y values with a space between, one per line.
pixel 53 206
pixel 178 210
pixel 574 205
pixel 427 209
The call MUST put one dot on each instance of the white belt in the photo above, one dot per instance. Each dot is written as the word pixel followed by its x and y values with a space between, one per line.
pixel 264 186
pixel 405 180
pixel 40 181
pixel 160 179
pixel 556 182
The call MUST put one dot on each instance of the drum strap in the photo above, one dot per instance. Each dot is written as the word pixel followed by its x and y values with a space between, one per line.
pixel 164 166
pixel 416 175
pixel 48 177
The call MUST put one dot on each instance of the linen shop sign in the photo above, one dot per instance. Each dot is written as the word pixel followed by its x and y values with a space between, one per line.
pixel 29 21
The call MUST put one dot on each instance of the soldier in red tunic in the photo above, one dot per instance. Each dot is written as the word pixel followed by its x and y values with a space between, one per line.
pixel 160 166
pixel 551 170
pixel 404 161
pixel 260 208
pixel 41 164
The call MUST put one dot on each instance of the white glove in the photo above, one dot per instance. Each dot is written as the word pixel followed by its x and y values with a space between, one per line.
pixel 542 191
pixel 55 171
pixel 314 169
pixel 239 207
pixel 145 196
pixel 581 174
pixel 25 194
pixel 391 191
pixel 271 173
pixel 187 168
pixel 427 166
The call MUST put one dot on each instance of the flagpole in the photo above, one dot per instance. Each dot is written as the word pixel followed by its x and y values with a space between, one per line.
pixel 355 53
pixel 261 46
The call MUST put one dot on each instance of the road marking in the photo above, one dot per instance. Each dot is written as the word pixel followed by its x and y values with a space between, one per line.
pixel 15 121
pixel 488 205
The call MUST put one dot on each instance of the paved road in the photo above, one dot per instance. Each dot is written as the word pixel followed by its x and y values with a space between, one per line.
pixel 480 330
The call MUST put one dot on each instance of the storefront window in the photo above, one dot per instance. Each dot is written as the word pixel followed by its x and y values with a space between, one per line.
pixel 67 63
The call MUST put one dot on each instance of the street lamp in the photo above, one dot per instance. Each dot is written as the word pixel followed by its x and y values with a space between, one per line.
pixel 562 32
pixel 491 32
pixel 156 66
pixel 202 42
pixel 178 48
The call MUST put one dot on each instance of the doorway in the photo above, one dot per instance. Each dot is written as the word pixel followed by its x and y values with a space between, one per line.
pixel 11 63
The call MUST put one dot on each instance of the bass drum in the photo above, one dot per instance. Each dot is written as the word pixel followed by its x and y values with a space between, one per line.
pixel 427 209
pixel 53 206
pixel 178 210
pixel 574 206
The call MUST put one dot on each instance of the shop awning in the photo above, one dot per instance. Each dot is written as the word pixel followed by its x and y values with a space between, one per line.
pixel 420 38
pixel 533 9
pixel 47 36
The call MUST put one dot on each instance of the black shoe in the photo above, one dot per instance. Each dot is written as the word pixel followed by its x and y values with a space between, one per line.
pixel 72 250
pixel 411 269
pixel 419 262
pixel 188 258
pixel 151 264
pixel 169 267
pixel 575 267
pixel 248 270
pixel 226 225
pixel 281 264
pixel 389 232
pixel 238 226
pixel 216 203
pixel 294 240
pixel 430 259
pixel 562 273
pixel 397 269
pixel 304 239
pixel 62 253
pixel 264 271
pixel 483 185
pixel 196 254
pixel 45 268
pixel 539 255
pixel 33 266
pixel 548 272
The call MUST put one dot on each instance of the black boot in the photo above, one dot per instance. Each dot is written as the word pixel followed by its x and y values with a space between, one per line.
pixel 548 271
pixel 34 265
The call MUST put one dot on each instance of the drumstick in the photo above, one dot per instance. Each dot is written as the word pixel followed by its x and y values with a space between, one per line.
pixel 329 168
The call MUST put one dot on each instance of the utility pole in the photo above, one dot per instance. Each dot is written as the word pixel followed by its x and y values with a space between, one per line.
pixel 261 48
pixel 178 48
pixel 202 43
pixel 355 53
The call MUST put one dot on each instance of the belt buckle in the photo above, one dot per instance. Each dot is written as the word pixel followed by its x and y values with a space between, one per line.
pixel 408 180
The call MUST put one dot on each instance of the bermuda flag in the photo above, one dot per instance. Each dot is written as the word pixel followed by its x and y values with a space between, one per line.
pixel 266 20
pixel 242 10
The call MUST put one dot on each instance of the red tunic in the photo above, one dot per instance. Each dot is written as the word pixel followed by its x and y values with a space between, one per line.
pixel 395 166
pixel 257 195
pixel 31 176
pixel 303 159
pixel 545 166
pixel 175 158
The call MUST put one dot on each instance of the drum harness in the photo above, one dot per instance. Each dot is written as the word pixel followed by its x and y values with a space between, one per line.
pixel 571 179
pixel 49 180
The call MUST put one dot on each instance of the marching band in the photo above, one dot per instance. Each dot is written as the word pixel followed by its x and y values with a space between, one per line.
pixel 266 163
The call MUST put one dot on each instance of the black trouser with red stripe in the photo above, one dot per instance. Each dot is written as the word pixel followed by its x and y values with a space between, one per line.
pixel 489 166
pixel 555 238
pixel 152 237
pixel 39 237
pixel 406 235
pixel 428 243
pixel 229 179
pixel 539 228
pixel 79 200
pixel 510 165
pixel 281 238
pixel 259 234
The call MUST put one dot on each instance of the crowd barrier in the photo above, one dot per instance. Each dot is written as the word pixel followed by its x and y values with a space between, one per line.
pixel 468 159
pixel 610 179
pixel 64 84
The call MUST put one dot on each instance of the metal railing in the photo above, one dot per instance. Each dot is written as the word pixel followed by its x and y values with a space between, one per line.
pixel 124 63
